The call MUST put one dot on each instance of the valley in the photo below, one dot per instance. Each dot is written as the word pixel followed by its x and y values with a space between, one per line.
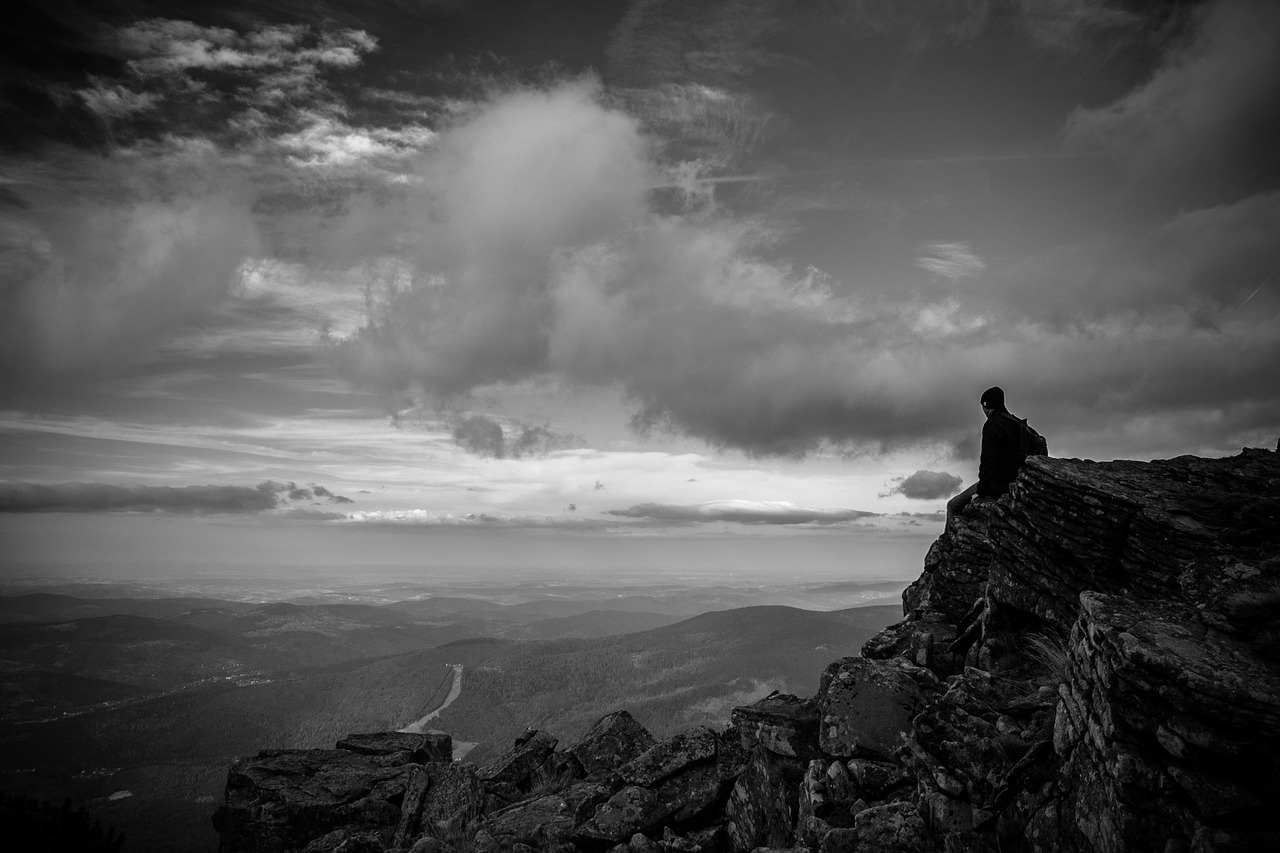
pixel 136 706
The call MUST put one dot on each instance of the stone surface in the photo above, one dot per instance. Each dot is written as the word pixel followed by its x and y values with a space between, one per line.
pixel 762 808
pixel 611 742
pixel 865 706
pixel 1171 724
pixel 518 767
pixel 782 723
pixel 284 799
pixel 443 797
pixel 670 756
pixel 422 748
pixel 627 812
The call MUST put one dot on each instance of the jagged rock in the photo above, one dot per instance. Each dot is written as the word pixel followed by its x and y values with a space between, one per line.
pixel 611 742
pixel 438 795
pixel 422 748
pixel 865 706
pixel 781 723
pixel 874 780
pixel 346 841
pixel 891 828
pixel 955 569
pixel 704 840
pixel 690 794
pixel 1128 528
pixel 1168 728
pixel 518 767
pixel 535 822
pixel 670 756
pixel 284 799
pixel 627 812
pixel 762 808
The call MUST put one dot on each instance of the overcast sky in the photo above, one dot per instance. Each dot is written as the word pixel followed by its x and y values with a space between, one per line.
pixel 616 270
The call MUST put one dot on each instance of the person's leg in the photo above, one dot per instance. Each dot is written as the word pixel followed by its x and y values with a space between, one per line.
pixel 956 505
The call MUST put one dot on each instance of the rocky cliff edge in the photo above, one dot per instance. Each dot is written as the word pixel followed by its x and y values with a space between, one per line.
pixel 1091 663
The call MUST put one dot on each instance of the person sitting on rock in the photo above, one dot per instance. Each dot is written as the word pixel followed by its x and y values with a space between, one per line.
pixel 1001 453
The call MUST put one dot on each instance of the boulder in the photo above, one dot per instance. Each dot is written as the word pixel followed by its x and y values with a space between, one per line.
pixel 426 748
pixel 286 798
pixel 518 767
pixel 865 706
pixel 627 812
pixel 781 723
pixel 670 756
pixel 537 821
pixel 438 797
pixel 763 806
pixel 611 742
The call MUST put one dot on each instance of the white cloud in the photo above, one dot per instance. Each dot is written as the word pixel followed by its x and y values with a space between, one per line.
pixel 952 261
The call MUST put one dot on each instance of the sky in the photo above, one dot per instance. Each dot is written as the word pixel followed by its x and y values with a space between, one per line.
pixel 619 283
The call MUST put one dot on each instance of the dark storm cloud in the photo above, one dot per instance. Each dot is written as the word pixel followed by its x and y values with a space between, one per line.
pixel 565 269
pixel 488 437
pixel 927 485
pixel 102 497
pixel 518 237
pixel 742 512
pixel 1206 125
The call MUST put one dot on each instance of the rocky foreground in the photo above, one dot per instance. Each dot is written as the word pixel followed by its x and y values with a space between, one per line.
pixel 1091 663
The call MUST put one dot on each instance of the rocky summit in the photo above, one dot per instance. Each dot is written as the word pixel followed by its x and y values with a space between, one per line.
pixel 1090 663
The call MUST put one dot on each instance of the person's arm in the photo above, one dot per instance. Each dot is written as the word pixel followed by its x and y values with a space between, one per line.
pixel 989 460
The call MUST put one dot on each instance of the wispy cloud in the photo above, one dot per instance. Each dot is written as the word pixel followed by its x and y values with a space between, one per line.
pixel 952 261
pixel 742 511
pixel 102 497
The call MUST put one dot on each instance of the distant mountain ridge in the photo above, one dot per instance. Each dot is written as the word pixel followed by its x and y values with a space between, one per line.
pixel 1088 665
pixel 302 675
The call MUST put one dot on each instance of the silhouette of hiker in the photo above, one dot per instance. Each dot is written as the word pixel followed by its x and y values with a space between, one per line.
pixel 1001 454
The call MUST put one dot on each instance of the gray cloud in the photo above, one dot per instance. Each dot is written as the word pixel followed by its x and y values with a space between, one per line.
pixel 489 437
pixel 1206 125
pixel 565 269
pixel 926 485
pixel 744 512
pixel 102 497
pixel 952 261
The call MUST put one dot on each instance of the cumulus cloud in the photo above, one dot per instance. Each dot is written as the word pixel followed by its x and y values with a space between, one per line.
pixel 952 261
pixel 102 497
pixel 742 511
pixel 1207 123
pixel 490 437
pixel 113 254
pixel 542 255
pixel 926 485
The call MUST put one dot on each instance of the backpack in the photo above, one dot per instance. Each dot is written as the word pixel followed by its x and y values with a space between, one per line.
pixel 1030 442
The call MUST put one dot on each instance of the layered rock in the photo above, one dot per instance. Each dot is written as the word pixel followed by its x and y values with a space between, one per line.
pixel 1090 664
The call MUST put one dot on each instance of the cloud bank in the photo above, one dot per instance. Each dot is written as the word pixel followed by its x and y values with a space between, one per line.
pixel 927 485
pixel 186 500
pixel 742 512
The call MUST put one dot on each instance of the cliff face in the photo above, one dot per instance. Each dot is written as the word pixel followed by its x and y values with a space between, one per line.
pixel 1091 663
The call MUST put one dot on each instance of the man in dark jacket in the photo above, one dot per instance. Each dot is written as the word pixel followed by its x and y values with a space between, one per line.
pixel 1001 453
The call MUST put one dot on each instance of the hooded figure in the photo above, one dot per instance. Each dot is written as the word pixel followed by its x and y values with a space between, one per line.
pixel 1001 452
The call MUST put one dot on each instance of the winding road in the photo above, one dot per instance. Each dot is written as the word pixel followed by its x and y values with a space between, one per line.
pixel 417 727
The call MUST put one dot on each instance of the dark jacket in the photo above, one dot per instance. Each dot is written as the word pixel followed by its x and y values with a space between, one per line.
pixel 1001 454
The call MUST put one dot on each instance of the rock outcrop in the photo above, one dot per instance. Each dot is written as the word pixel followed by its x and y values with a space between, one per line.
pixel 1091 663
